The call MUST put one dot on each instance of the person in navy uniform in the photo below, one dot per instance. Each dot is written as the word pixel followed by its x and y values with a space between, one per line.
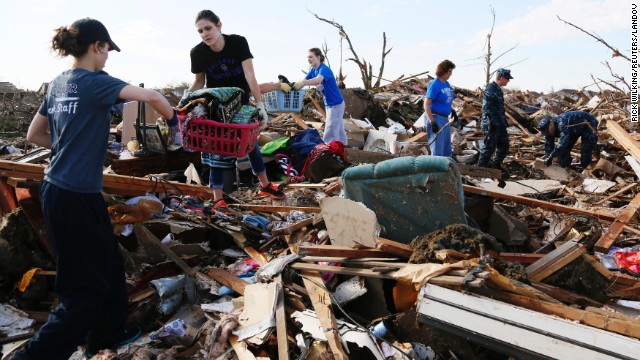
pixel 569 127
pixel 494 122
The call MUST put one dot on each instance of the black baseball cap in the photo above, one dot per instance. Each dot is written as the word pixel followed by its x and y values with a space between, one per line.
pixel 90 30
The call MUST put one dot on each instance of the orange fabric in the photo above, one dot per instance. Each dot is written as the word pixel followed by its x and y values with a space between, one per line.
pixel 27 278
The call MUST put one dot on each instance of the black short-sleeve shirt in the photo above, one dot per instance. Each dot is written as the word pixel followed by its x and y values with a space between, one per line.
pixel 224 68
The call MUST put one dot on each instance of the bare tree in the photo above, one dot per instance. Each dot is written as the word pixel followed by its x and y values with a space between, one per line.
pixel 366 70
pixel 489 61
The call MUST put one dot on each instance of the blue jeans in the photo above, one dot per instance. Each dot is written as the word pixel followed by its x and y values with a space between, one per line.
pixel 442 145
pixel 90 279
pixel 216 175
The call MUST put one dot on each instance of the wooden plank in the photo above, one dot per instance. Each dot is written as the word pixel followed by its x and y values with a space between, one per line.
pixel 523 258
pixel 288 230
pixel 536 203
pixel 340 270
pixel 318 107
pixel 113 182
pixel 281 321
pixel 321 301
pixel 141 231
pixel 228 279
pixel 299 121
pixel 401 250
pixel 617 193
pixel 623 137
pixel 340 251
pixel 608 238
pixel 272 208
pixel 563 295
pixel 555 260
pixel 420 137
pixel 241 349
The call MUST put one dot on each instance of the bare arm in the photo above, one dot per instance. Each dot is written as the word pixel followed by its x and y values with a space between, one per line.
pixel 157 101
pixel 427 109
pixel 249 74
pixel 38 132
pixel 315 81
pixel 198 83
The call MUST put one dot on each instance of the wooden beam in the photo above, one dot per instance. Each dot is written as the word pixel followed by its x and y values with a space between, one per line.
pixel 623 137
pixel 288 230
pixel 228 279
pixel 563 295
pixel 395 248
pixel 281 321
pixel 555 260
pixel 141 231
pixel 522 258
pixel 299 121
pixel 420 137
pixel 340 251
pixel 321 301
pixel 537 203
pixel 599 321
pixel 617 193
pixel 318 107
pixel 273 208
pixel 609 237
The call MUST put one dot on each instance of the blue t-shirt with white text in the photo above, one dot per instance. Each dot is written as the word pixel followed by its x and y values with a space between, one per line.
pixel 77 108
pixel 441 96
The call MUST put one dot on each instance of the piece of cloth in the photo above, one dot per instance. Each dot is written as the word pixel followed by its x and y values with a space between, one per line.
pixel 90 279
pixel 441 96
pixel 223 68
pixel 570 127
pixel 329 86
pixel 301 145
pixel 442 144
pixel 77 108
pixel 334 126
pixel 274 145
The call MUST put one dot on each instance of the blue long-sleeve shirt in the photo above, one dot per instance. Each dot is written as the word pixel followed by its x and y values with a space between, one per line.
pixel 493 106
pixel 570 126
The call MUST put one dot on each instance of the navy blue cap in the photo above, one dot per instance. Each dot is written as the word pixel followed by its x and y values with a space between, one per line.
pixel 505 73
pixel 91 30
pixel 544 124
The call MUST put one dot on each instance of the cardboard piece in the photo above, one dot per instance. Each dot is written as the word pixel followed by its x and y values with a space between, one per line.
pixel 349 222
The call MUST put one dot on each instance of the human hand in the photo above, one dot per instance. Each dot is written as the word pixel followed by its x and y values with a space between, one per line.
pixel 285 87
pixel 298 85
pixel 434 127
pixel 263 113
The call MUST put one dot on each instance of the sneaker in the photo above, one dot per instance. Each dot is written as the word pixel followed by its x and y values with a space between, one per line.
pixel 221 210
pixel 272 190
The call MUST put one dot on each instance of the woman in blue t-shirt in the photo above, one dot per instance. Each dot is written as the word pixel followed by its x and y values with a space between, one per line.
pixel 322 76
pixel 74 121
pixel 437 107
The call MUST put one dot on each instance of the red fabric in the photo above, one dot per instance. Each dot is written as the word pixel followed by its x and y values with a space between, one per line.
pixel 334 147
pixel 629 260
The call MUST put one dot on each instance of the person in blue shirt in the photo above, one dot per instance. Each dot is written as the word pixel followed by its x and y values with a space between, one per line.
pixel 73 121
pixel 570 127
pixel 322 76
pixel 494 122
pixel 437 107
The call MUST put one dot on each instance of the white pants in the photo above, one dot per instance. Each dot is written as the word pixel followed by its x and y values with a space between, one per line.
pixel 334 127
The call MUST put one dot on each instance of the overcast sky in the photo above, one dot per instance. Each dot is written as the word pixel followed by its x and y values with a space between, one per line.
pixel 156 36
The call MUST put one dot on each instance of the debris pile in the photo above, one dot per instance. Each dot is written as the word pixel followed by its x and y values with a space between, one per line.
pixel 328 271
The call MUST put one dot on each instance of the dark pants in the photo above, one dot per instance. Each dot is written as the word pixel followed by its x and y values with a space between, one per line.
pixel 496 141
pixel 90 282
pixel 588 140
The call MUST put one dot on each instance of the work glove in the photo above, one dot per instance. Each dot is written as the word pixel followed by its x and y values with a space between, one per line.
pixel 434 127
pixel 548 160
pixel 298 85
pixel 183 102
pixel 263 113
pixel 285 87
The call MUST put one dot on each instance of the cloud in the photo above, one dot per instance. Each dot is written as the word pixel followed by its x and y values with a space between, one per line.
pixel 540 25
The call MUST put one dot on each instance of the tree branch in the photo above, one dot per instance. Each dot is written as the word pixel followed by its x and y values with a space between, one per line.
pixel 616 52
